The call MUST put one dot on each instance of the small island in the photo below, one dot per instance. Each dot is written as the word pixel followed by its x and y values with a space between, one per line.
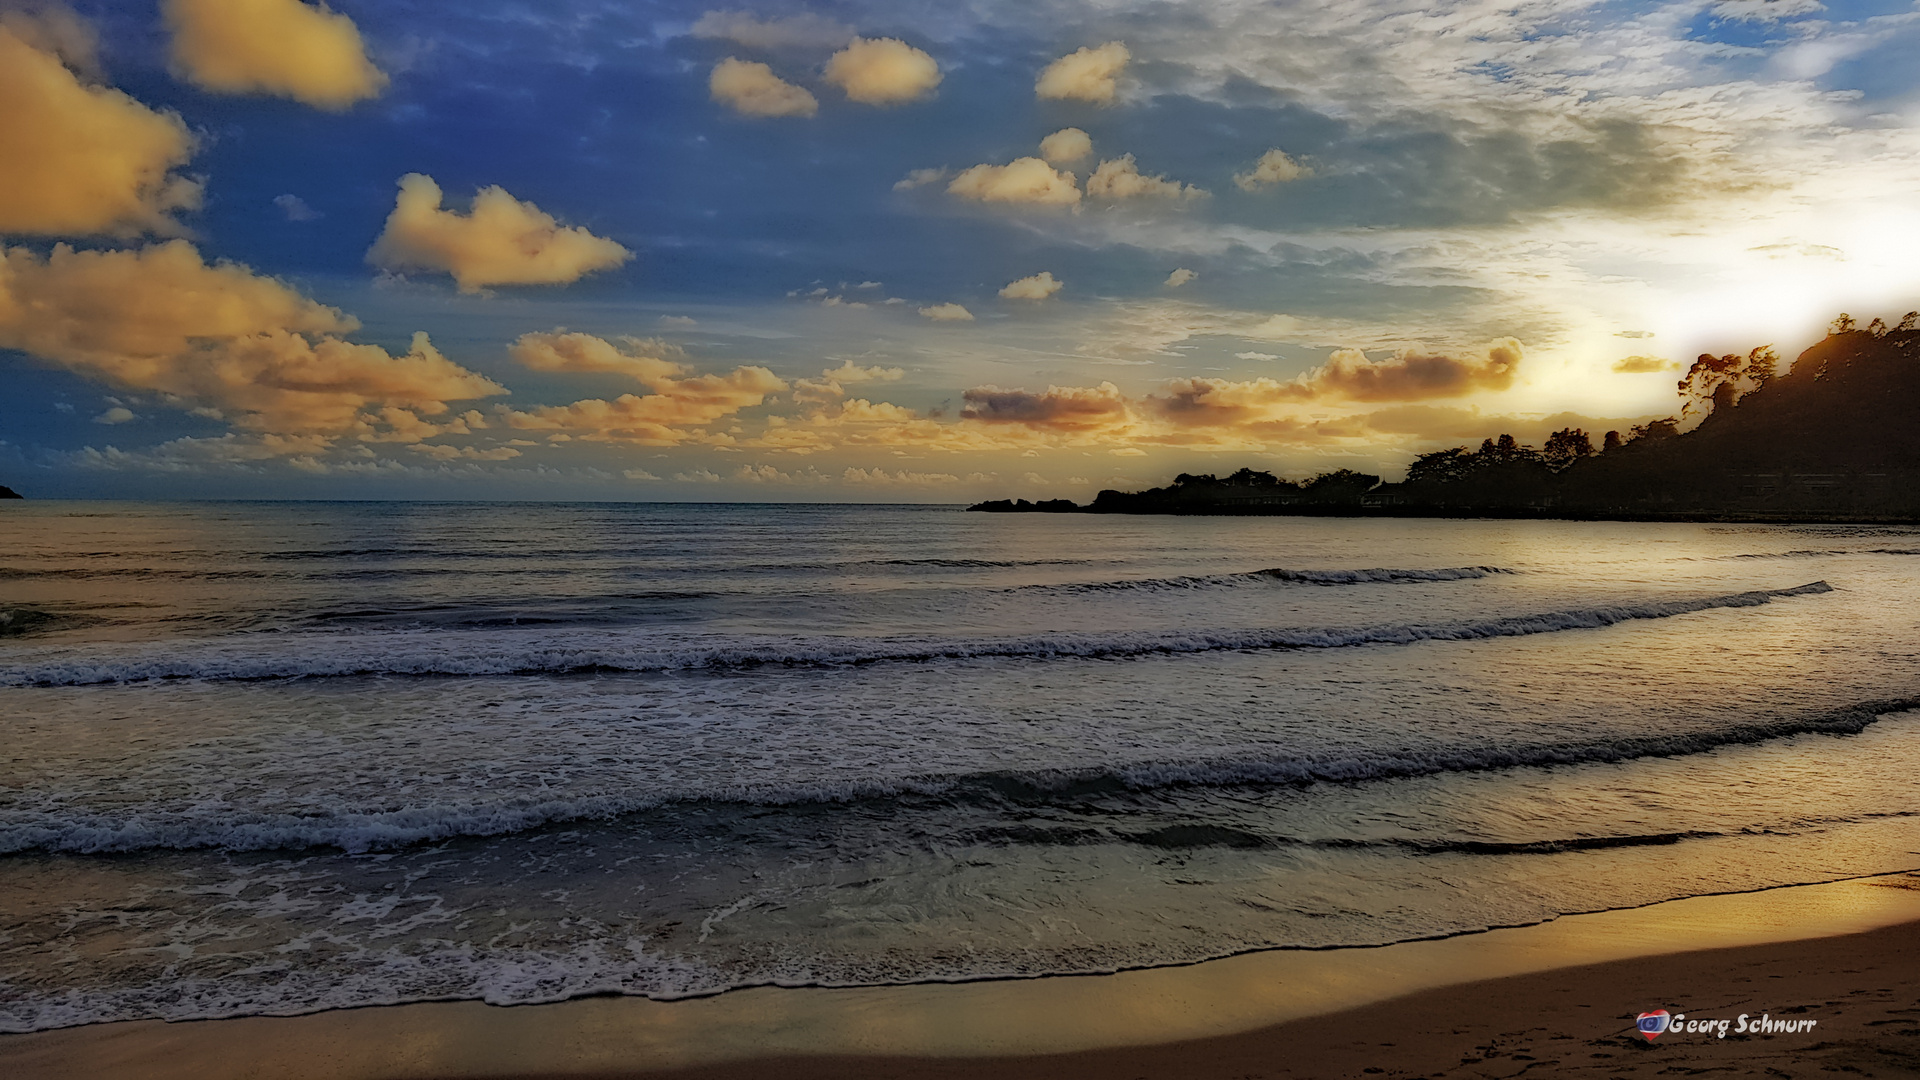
pixel 8 493
pixel 1833 438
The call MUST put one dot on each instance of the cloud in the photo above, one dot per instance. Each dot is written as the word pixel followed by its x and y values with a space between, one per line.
pixel 1066 145
pixel 1346 376
pixel 1040 286
pixel 1764 10
pixel 76 159
pixel 850 372
pixel 57 31
pixel 903 477
pixel 1086 74
pixel 679 322
pixel 280 47
pixel 920 178
pixel 1121 179
pixel 1643 365
pixel 1022 180
pixel 240 346
pixel 638 474
pixel 1265 358
pixel 680 403
pixel 947 313
pixel 1274 167
pixel 752 89
pixel 1060 408
pixel 561 351
pixel 119 414
pixel 501 241
pixel 805 31
pixel 1180 277
pixel 883 71
pixel 296 208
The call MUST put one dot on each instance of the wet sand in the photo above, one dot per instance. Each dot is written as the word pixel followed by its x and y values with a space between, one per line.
pixel 1550 1000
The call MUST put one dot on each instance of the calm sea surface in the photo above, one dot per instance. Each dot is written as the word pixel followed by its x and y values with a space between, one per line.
pixel 271 758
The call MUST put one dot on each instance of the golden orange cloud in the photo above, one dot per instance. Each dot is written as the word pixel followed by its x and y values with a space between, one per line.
pixel 1022 180
pixel 752 89
pixel 1040 286
pixel 501 241
pixel 883 71
pixel 1066 145
pixel 238 345
pixel 1274 167
pixel 1087 74
pixel 1060 408
pixel 1121 179
pixel 679 405
pixel 77 159
pixel 561 351
pixel 280 47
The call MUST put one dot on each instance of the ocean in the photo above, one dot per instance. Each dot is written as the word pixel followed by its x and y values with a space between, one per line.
pixel 271 758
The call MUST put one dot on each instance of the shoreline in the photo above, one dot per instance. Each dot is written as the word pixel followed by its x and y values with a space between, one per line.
pixel 1205 1019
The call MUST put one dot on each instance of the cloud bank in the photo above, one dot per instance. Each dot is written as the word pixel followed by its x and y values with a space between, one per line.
pixel 245 347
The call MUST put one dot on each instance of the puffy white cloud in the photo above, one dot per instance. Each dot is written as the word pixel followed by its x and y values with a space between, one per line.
pixel 1274 167
pixel 1180 277
pixel 281 47
pixel 804 31
pixel 1022 180
pixel 77 159
pixel 119 414
pixel 1086 74
pixel 240 346
pixel 883 71
pixel 946 313
pixel 501 241
pixel 1066 145
pixel 752 89
pixel 1121 179
pixel 1039 286
pixel 296 208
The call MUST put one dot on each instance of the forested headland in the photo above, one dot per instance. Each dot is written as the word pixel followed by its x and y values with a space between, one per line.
pixel 1836 436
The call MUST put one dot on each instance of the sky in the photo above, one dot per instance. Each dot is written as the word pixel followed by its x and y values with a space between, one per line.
pixel 907 251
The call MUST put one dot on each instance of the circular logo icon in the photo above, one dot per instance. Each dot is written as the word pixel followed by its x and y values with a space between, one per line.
pixel 1652 1024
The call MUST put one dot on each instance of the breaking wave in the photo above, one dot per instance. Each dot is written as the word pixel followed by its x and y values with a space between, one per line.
pixel 1377 576
pixel 504 653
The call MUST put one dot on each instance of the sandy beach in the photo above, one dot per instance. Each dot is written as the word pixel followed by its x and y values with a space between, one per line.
pixel 1555 999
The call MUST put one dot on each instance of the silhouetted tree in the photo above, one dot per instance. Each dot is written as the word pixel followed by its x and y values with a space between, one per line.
pixel 1441 466
pixel 1842 325
pixel 1878 327
pixel 1908 321
pixel 1566 446
pixel 1341 485
pixel 1610 442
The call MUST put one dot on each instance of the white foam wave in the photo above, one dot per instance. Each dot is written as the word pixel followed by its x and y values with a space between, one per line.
pixel 501 653
pixel 1373 576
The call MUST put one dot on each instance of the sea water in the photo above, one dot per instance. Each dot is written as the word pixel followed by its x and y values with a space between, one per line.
pixel 272 758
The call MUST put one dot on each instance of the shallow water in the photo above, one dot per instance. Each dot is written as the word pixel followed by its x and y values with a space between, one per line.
pixel 279 757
